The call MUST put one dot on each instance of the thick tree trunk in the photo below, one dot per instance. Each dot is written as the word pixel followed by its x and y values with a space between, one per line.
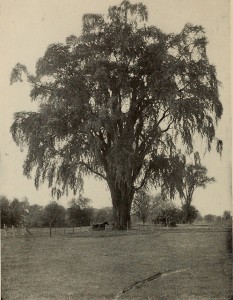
pixel 122 196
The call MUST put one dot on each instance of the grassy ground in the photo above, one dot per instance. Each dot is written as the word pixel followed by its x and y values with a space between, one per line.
pixel 195 264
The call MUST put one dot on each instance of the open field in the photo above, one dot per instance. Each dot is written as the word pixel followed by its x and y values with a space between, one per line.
pixel 194 262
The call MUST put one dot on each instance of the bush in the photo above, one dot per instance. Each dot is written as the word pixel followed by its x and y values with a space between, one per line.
pixel 189 214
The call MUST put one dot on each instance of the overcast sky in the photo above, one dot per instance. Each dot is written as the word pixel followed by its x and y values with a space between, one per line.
pixel 28 27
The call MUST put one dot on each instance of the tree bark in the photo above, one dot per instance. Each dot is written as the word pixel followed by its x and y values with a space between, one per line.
pixel 122 196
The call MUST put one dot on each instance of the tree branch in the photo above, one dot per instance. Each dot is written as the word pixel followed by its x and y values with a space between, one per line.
pixel 168 127
pixel 147 172
pixel 92 170
pixel 163 117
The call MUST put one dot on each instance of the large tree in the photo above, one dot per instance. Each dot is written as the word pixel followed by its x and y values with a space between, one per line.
pixel 118 102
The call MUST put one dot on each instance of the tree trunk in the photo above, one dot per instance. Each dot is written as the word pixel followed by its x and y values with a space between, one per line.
pixel 122 196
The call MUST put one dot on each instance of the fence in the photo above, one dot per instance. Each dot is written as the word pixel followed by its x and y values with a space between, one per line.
pixel 87 231
pixel 41 232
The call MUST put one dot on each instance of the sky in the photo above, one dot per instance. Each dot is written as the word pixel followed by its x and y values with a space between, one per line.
pixel 27 27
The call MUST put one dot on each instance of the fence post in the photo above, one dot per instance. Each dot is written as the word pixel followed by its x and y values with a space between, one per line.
pixel 5 229
pixel 50 229
pixel 13 232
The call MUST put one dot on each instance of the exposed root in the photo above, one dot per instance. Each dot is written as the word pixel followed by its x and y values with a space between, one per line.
pixel 174 272
pixel 138 284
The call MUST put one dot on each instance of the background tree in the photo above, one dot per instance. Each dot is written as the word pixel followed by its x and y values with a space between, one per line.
pixel 218 218
pixel 209 218
pixel 103 214
pixel 226 215
pixel 79 212
pixel 54 215
pixel 118 102
pixel 199 217
pixel 189 213
pixel 164 212
pixel 34 217
pixel 25 208
pixel 18 212
pixel 192 176
pixel 5 211
pixel 141 206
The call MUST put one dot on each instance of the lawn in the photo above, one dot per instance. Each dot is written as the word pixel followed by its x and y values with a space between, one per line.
pixel 194 263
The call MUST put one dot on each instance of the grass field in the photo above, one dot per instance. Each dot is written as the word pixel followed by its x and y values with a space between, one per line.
pixel 195 263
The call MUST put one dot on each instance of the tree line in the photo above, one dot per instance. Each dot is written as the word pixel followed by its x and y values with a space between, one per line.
pixel 78 213
pixel 161 210
pixel 146 208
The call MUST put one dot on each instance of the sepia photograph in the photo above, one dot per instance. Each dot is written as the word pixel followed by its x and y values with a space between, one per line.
pixel 116 150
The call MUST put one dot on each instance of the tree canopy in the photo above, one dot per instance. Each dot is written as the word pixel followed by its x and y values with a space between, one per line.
pixel 79 212
pixel 165 212
pixel 119 102
pixel 54 214
pixel 190 177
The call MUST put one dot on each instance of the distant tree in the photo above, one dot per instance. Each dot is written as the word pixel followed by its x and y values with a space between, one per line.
pixel 189 213
pixel 218 218
pixel 118 102
pixel 25 207
pixel 141 205
pixel 25 203
pixel 103 214
pixel 5 211
pixel 79 212
pixel 54 215
pixel 34 217
pixel 226 215
pixel 209 218
pixel 192 176
pixel 199 217
pixel 165 212
pixel 18 212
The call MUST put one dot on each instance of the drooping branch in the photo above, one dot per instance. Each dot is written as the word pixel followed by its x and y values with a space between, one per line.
pixel 115 102
pixel 92 170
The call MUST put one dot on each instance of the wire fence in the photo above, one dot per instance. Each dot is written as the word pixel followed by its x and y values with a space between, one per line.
pixel 41 232
pixel 87 231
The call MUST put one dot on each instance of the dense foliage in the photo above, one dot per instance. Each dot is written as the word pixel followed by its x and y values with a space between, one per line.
pixel 54 215
pixel 79 212
pixel 165 212
pixel 119 102
pixel 22 214
pixel 189 213
pixel 160 210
